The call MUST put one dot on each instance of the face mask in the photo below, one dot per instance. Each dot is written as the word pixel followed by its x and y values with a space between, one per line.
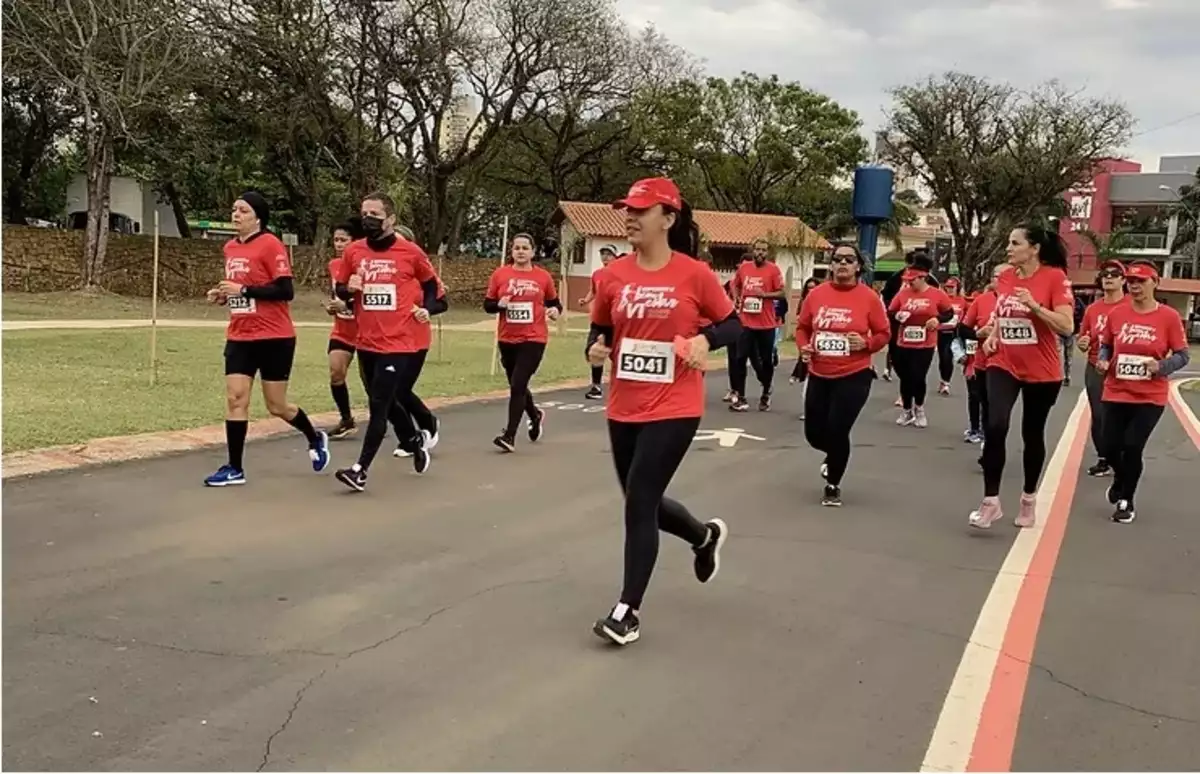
pixel 372 226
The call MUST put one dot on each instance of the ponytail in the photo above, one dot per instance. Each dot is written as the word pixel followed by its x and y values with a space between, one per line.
pixel 684 234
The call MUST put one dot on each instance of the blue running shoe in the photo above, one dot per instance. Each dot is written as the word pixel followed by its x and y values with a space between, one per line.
pixel 319 454
pixel 226 475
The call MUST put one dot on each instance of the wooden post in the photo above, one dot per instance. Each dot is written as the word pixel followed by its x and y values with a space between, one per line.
pixel 439 317
pixel 496 335
pixel 563 262
pixel 154 310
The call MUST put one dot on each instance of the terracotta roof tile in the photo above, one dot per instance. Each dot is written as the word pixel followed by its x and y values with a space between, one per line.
pixel 720 228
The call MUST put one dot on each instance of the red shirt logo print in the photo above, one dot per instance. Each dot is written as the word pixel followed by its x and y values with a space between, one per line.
pixel 829 318
pixel 645 301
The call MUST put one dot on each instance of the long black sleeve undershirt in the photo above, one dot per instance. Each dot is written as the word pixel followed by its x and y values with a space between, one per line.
pixel 966 332
pixel 491 305
pixel 724 333
pixel 281 289
pixel 554 303
pixel 343 291
pixel 594 333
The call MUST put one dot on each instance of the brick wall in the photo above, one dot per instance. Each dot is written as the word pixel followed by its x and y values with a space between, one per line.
pixel 40 260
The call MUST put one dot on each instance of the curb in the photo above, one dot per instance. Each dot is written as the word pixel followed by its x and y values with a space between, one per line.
pixel 128 448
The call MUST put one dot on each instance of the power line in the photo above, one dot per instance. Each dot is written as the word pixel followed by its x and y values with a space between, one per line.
pixel 1188 117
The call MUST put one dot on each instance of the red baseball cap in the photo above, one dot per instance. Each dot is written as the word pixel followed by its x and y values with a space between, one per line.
pixel 1141 271
pixel 911 274
pixel 952 282
pixel 1113 264
pixel 646 193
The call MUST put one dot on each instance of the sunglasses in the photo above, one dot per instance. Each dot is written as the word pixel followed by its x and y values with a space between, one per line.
pixel 1111 274
pixel 843 259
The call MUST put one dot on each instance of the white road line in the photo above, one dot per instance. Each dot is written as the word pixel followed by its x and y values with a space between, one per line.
pixel 957 725
pixel 1182 409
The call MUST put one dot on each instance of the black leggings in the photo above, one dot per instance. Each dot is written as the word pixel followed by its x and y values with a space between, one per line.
pixel 757 346
pixel 831 408
pixel 1127 428
pixel 1039 397
pixel 945 355
pixel 646 456
pixel 520 361
pixel 422 417
pixel 1093 384
pixel 912 366
pixel 384 376
pixel 976 400
pixel 597 375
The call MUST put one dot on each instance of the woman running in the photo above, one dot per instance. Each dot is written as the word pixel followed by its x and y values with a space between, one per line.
pixel 800 370
pixel 343 336
pixel 947 332
pixel 841 324
pixel 918 309
pixel 261 338
pixel 646 320
pixel 393 285
pixel 1141 344
pixel 1111 280
pixel 525 298
pixel 607 254
pixel 972 328
pixel 1034 306
pixel 423 419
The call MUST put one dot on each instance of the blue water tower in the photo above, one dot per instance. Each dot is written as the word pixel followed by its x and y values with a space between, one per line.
pixel 872 206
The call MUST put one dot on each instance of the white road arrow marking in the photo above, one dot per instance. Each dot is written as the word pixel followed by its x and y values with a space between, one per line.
pixel 727 438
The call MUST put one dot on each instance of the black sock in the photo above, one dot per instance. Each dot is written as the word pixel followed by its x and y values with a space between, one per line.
pixel 301 422
pixel 341 396
pixel 235 441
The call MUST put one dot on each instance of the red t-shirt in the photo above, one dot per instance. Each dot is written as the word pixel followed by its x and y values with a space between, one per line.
pixel 423 332
pixel 750 283
pixel 647 310
pixel 977 316
pixel 1094 319
pixel 525 317
pixel 1136 338
pixel 1029 349
pixel 913 310
pixel 391 288
pixel 828 313
pixel 345 327
pixel 959 304
pixel 260 260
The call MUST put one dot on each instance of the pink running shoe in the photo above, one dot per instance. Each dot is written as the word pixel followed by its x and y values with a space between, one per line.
pixel 988 514
pixel 1027 516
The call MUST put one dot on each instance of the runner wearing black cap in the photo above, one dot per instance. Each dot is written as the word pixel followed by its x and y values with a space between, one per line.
pixel 260 339
pixel 647 319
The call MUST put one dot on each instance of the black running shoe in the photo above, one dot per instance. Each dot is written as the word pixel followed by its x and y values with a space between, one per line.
pixel 355 479
pixel 622 632
pixel 708 557
pixel 1111 495
pixel 832 497
pixel 1100 470
pixel 422 459
pixel 594 393
pixel 1124 514
pixel 764 403
pixel 739 404
pixel 536 426
pixel 505 443
pixel 344 428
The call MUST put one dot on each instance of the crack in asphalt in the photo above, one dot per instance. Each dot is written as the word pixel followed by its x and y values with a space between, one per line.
pixel 120 641
pixel 343 658
pixel 1105 700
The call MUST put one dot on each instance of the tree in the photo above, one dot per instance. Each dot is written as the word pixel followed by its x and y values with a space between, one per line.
pixel 1108 247
pixel 117 62
pixel 36 173
pixel 994 155
pixel 841 224
pixel 1187 211
pixel 756 144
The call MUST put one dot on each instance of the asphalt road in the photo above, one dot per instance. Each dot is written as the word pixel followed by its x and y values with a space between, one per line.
pixel 443 622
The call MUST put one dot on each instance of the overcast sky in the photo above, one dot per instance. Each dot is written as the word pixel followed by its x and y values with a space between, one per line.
pixel 1145 52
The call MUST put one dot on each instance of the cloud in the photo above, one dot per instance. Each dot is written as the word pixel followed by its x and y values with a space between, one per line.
pixel 1143 52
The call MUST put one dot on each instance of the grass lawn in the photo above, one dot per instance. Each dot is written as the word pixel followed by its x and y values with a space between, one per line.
pixel 107 306
pixel 65 387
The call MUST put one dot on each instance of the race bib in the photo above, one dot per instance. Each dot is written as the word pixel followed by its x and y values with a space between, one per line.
pixel 970 346
pixel 1017 331
pixel 752 305
pixel 831 344
pixel 646 361
pixel 914 334
pixel 1133 368
pixel 379 297
pixel 520 312
pixel 240 305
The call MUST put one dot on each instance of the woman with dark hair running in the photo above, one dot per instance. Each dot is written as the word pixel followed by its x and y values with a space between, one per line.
pixel 260 339
pixel 525 297
pixel 1111 281
pixel 607 254
pixel 918 309
pixel 947 332
pixel 973 327
pixel 422 418
pixel 344 334
pixel 841 324
pixel 800 370
pixel 1141 344
pixel 647 319
pixel 1034 306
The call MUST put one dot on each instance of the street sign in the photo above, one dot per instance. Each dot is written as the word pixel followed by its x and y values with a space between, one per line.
pixel 291 240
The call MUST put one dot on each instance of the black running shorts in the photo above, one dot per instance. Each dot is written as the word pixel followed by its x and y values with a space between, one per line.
pixel 339 345
pixel 269 358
